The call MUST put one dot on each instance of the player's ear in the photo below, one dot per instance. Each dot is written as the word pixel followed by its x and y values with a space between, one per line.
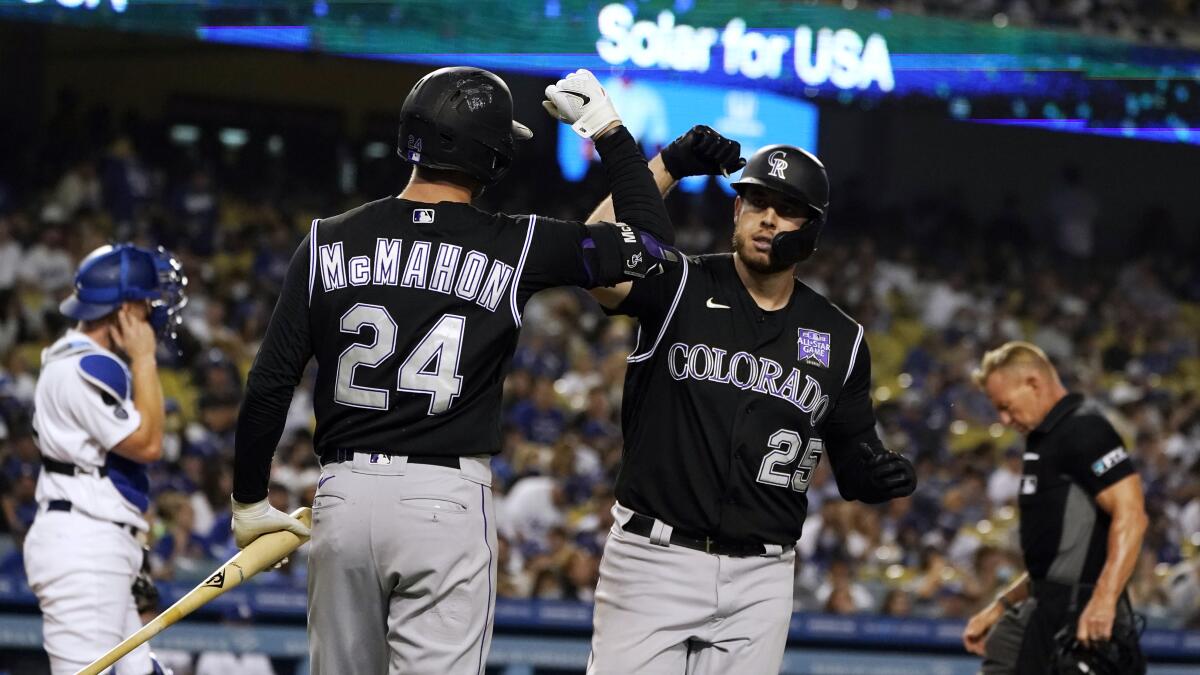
pixel 737 207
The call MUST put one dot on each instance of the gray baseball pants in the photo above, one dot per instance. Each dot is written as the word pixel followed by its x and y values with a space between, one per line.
pixel 668 610
pixel 402 569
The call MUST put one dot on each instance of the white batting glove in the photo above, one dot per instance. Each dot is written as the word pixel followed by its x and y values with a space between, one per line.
pixel 579 100
pixel 251 521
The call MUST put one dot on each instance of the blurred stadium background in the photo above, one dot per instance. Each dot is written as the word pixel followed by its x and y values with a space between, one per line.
pixel 1001 168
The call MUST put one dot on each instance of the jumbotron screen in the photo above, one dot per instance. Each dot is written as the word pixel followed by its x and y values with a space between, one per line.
pixel 972 71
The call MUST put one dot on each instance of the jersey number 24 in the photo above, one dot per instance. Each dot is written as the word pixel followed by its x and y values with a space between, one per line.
pixel 431 368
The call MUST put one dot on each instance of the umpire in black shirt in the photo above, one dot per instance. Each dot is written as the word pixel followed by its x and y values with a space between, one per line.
pixel 1082 521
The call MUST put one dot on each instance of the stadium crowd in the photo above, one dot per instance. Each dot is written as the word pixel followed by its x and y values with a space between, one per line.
pixel 1124 330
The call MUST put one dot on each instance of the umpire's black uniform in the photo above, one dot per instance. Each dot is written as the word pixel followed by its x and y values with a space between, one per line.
pixel 1070 457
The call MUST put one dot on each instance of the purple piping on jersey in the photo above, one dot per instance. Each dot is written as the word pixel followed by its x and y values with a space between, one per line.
pixel 512 298
pixel 488 612
pixel 635 358
pixel 589 243
pixel 854 354
pixel 312 258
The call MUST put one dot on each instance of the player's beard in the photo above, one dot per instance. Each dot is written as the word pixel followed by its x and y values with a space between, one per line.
pixel 744 249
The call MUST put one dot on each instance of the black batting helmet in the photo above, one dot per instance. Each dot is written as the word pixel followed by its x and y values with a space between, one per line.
pixel 461 119
pixel 798 175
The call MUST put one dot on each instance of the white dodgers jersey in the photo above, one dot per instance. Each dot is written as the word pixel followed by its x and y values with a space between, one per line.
pixel 83 406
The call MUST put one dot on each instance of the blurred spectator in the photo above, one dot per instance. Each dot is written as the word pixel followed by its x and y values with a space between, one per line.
pixel 539 419
pixel 296 466
pixel 78 189
pixel 840 594
pixel 178 547
pixel 11 253
pixel 20 482
pixel 897 603
pixel 48 265
pixel 1006 479
pixel 196 207
pixel 532 508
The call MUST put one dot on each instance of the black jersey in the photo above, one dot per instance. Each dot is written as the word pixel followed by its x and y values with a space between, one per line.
pixel 412 312
pixel 728 409
pixel 1070 457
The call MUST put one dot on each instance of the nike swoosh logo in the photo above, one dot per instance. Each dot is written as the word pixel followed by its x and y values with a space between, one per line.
pixel 714 305
pixel 322 481
pixel 586 99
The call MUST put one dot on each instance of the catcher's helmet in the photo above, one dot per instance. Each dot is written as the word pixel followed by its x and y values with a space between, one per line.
pixel 1119 656
pixel 119 273
pixel 798 175
pixel 461 119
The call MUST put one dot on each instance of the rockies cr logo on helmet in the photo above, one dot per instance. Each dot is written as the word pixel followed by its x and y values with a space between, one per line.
pixel 778 162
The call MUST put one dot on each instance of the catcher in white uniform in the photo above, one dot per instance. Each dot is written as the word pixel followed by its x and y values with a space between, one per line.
pixel 98 419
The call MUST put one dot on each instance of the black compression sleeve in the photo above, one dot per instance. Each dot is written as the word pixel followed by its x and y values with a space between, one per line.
pixel 277 369
pixel 852 422
pixel 635 196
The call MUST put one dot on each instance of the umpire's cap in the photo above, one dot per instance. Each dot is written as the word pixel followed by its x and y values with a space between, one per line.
pixel 461 119
pixel 798 175
pixel 118 273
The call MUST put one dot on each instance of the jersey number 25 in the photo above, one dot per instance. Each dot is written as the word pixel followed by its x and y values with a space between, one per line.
pixel 431 368
pixel 785 447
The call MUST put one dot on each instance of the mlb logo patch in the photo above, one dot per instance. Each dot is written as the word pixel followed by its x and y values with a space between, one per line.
pixel 812 347
pixel 423 216
pixel 380 459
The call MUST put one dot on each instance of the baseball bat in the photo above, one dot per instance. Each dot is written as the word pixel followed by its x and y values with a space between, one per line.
pixel 261 554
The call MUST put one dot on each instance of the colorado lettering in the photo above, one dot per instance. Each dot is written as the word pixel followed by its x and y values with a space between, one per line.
pixel 747 371
pixel 394 264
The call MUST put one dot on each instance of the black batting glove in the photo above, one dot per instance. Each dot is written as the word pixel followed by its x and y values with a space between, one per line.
pixel 702 152
pixel 889 475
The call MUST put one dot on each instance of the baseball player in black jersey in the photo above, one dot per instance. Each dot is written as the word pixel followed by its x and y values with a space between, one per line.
pixel 741 380
pixel 1082 521
pixel 411 306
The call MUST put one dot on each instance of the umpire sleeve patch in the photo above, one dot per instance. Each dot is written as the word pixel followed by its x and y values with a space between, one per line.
pixel 107 373
pixel 1109 460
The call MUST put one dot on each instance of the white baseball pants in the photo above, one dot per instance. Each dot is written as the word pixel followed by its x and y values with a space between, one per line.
pixel 81 570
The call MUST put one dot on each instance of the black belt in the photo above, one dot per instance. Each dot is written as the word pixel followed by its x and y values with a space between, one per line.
pixel 643 525
pixel 1054 589
pixel 66 505
pixel 69 469
pixel 347 454
pixel 1074 596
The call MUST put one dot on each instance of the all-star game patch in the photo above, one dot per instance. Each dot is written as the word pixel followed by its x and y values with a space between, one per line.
pixel 813 347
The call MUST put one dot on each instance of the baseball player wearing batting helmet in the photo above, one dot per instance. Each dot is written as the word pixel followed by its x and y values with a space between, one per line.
pixel 412 305
pixel 98 420
pixel 742 378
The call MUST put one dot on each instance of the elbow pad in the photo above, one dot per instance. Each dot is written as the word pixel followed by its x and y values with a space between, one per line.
pixel 616 252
